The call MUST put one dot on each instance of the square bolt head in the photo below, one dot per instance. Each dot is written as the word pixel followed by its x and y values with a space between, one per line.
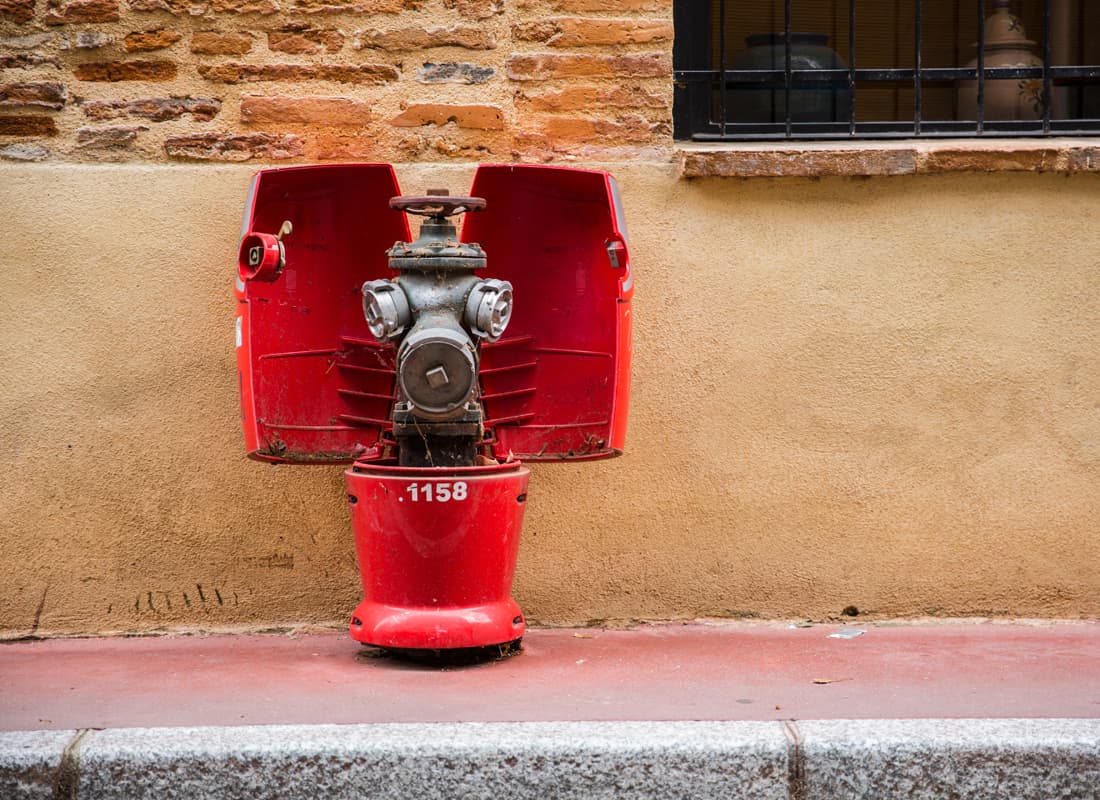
pixel 437 377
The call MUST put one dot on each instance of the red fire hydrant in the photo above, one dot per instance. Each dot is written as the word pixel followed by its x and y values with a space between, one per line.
pixel 410 363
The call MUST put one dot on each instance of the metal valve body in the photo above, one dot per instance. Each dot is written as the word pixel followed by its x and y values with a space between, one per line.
pixel 437 311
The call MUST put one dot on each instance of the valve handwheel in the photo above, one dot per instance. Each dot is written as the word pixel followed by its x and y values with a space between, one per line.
pixel 437 205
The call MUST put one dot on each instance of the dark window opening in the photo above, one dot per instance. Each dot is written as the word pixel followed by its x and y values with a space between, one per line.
pixel 826 69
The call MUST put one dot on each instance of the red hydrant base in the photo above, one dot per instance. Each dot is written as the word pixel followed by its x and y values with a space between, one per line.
pixel 437 552
pixel 437 628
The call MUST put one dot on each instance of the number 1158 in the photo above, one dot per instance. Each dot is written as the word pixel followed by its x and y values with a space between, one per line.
pixel 438 492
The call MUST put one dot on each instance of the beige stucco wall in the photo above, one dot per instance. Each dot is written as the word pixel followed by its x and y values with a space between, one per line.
pixel 881 393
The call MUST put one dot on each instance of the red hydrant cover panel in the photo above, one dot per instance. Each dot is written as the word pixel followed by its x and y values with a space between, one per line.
pixel 317 387
pixel 557 385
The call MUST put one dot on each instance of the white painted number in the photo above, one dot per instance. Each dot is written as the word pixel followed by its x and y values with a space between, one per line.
pixel 439 492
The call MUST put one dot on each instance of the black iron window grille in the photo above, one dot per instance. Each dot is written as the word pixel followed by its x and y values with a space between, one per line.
pixel 842 69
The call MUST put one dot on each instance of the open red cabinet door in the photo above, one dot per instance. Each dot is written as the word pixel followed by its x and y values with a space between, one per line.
pixel 315 385
pixel 557 385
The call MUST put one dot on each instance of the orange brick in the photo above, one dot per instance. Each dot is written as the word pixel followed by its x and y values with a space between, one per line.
pixel 611 6
pixel 305 40
pixel 108 138
pixel 83 11
pixel 39 94
pixel 582 32
pixel 574 98
pixel 228 147
pixel 178 8
pixel 263 7
pixel 16 10
pixel 488 118
pixel 326 111
pixel 546 66
pixel 27 125
pixel 27 60
pixel 476 9
pixel 540 30
pixel 126 71
pixel 143 41
pixel 340 73
pixel 212 43
pixel 350 6
pixel 405 39
pixel 157 109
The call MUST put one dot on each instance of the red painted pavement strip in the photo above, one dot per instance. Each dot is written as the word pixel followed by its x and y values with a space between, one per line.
pixel 656 672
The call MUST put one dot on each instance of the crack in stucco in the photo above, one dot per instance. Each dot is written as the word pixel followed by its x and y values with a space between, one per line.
pixel 38 612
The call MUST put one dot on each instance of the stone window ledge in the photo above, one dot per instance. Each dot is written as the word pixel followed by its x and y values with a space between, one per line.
pixel 906 157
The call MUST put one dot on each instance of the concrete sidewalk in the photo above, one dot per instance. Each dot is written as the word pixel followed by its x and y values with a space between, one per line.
pixel 723 710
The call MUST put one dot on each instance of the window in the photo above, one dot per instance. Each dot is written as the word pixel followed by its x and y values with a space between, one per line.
pixel 828 69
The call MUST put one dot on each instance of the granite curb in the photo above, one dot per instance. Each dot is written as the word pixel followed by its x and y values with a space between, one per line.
pixel 924 758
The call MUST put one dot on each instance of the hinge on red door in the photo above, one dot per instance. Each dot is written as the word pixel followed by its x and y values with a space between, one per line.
pixel 616 254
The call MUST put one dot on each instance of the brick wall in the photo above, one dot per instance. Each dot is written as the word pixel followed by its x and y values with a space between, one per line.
pixel 315 80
